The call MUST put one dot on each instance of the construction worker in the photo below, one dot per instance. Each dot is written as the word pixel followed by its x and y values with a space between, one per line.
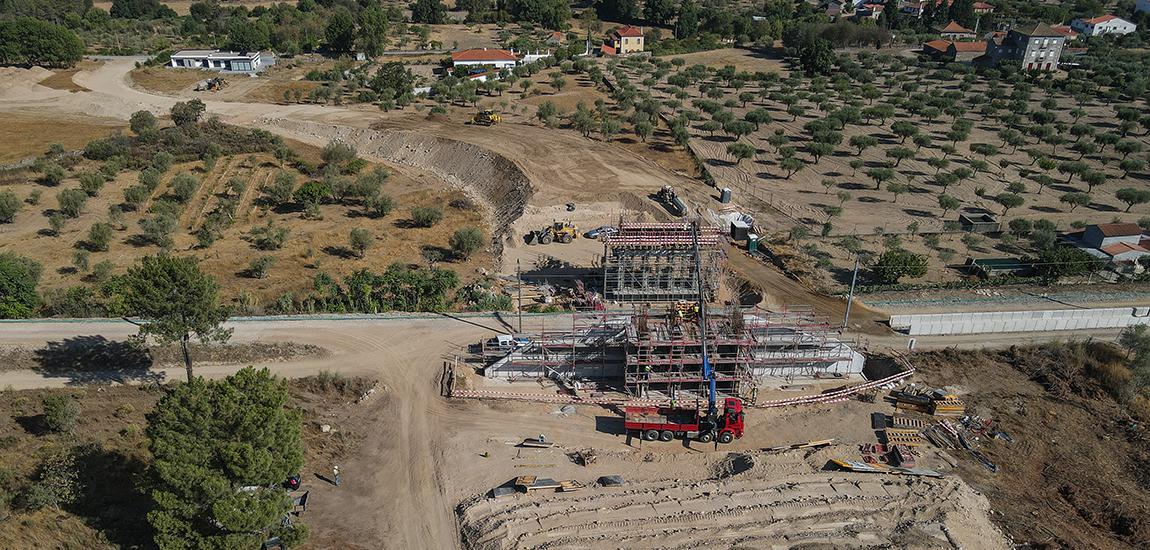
pixel 335 475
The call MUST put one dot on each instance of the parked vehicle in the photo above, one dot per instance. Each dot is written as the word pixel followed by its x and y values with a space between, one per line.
pixel 601 231
pixel 667 423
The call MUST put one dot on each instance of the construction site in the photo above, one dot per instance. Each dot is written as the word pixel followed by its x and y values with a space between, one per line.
pixel 652 346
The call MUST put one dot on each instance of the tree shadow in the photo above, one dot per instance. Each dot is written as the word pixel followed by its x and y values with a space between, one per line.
pixel 434 253
pixel 34 424
pixel 918 213
pixel 96 360
pixel 341 252
pixel 109 499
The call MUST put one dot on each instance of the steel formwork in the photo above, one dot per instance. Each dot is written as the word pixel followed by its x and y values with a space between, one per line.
pixel 655 262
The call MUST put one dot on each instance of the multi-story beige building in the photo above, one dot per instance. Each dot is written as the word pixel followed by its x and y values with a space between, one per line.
pixel 624 40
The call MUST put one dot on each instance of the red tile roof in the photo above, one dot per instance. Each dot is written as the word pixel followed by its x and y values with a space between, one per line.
pixel 607 49
pixel 483 54
pixel 628 31
pixel 969 46
pixel 1069 32
pixel 983 6
pixel 1119 229
pixel 939 45
pixel 1122 248
pixel 954 27
pixel 1100 19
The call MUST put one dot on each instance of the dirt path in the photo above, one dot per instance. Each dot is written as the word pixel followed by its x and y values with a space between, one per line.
pixel 393 485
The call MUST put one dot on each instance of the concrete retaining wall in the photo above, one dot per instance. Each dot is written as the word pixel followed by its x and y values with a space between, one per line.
pixel 1019 321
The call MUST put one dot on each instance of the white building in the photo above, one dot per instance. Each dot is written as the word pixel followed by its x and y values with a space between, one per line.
pixel 217 60
pixel 1106 24
pixel 483 57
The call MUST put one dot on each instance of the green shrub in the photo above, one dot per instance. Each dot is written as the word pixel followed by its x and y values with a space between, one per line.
pixel 91 183
pixel 53 174
pixel 57 482
pixel 150 178
pixel 184 186
pixel 426 216
pixel 360 240
pixel 60 413
pixel 71 202
pixel 268 237
pixel 465 241
pixel 379 205
pixel 99 235
pixel 260 266
pixel 9 206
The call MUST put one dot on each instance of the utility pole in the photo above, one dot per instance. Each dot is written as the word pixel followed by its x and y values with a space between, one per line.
pixel 851 294
pixel 519 277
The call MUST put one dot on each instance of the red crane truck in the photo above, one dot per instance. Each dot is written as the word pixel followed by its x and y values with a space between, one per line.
pixel 667 423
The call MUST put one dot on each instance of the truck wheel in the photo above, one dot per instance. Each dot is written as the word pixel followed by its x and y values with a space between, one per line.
pixel 546 239
pixel 651 435
pixel 666 435
pixel 705 437
pixel 726 437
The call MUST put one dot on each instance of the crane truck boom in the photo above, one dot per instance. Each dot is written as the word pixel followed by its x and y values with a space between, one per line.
pixel 667 423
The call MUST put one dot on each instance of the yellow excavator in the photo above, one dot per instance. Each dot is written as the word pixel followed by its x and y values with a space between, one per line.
pixel 486 117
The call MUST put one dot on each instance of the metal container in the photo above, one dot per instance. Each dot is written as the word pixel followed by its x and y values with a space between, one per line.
pixel 739 230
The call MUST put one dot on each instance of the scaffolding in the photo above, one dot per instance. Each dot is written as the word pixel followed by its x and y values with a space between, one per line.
pixel 664 351
pixel 656 352
pixel 587 347
pixel 655 262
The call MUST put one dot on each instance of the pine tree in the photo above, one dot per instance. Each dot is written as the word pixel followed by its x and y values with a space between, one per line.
pixel 222 450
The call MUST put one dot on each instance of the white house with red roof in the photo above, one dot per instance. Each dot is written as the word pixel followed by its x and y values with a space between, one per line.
pixel 1117 243
pixel 1106 24
pixel 954 31
pixel 484 57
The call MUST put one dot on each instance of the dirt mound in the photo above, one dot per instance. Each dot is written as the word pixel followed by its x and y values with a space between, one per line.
pixel 809 510
pixel 734 464
pixel 491 179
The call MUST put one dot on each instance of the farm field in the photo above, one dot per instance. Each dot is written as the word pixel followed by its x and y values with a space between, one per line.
pixel 313 243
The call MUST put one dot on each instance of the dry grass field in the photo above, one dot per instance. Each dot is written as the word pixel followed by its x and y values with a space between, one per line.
pixel 166 80
pixel 61 79
pixel 28 134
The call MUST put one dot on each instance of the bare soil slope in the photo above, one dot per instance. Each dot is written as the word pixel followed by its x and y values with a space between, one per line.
pixel 1075 475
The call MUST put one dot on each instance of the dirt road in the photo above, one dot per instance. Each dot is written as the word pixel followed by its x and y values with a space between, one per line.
pixel 398 457
pixel 422 455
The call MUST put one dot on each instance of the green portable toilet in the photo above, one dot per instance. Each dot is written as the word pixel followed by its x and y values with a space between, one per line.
pixel 752 243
